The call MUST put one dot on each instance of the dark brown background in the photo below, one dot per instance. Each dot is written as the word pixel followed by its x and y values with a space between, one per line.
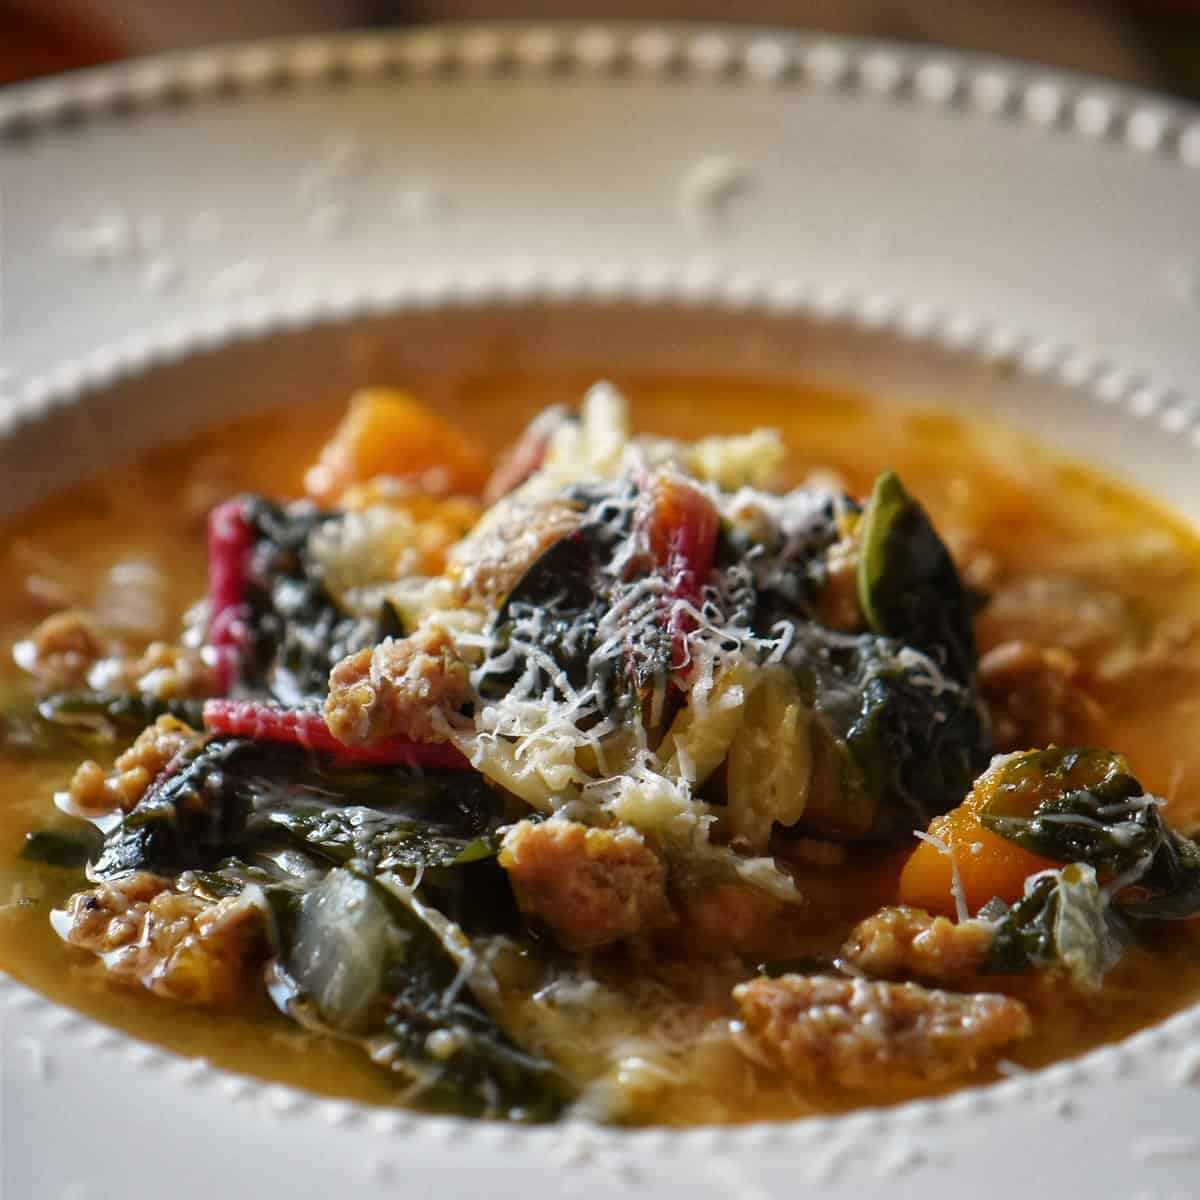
pixel 1153 42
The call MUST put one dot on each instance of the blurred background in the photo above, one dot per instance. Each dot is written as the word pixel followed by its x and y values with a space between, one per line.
pixel 1152 42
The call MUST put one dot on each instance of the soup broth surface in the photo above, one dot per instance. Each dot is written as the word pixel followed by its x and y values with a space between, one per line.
pixel 134 535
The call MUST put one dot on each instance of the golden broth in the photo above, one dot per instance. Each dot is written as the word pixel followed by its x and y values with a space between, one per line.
pixel 1026 507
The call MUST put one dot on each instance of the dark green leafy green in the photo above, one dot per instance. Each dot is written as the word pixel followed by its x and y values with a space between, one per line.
pixel 373 966
pixel 1082 805
pixel 1025 933
pixel 1086 808
pixel 763 583
pixel 454 846
pixel 557 605
pixel 908 586
pixel 389 623
pixel 296 632
pixel 1169 888
pixel 386 840
pixel 189 817
pixel 356 960
pixel 485 1073
pixel 463 1057
pixel 563 578
pixel 235 796
pixel 62 847
pixel 124 713
pixel 812 964
pixel 70 720
pixel 24 731
pixel 1065 919
pixel 896 746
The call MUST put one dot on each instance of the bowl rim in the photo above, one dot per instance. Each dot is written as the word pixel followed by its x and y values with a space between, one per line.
pixel 1134 120
pixel 859 315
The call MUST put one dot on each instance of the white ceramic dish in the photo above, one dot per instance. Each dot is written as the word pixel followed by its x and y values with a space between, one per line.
pixel 189 237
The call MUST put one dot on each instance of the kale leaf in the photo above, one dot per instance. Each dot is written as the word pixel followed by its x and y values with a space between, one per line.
pixel 296 633
pixel 810 964
pixel 1065 919
pixel 386 839
pixel 1169 888
pixel 1082 805
pixel 1073 805
pixel 558 604
pixel 126 714
pixel 908 586
pixel 463 1058
pixel 764 582
pixel 896 746
pixel 189 817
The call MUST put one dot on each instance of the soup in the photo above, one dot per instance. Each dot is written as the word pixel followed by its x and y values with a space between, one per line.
pixel 787 755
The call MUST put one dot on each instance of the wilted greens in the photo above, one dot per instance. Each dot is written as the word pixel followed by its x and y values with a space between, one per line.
pixel 908 585
pixel 352 957
pixel 1082 805
pixel 370 962
pixel 236 796
pixel 1065 919
pixel 82 719
pixel 899 747
pixel 673 724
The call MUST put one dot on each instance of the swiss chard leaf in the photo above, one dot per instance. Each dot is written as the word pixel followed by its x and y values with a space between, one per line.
pixel 369 965
pixel 908 586
pixel 236 796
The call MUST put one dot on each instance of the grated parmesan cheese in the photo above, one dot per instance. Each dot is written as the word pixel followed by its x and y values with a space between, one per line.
pixel 746 460
pixel 961 909
pixel 555 718
pixel 371 545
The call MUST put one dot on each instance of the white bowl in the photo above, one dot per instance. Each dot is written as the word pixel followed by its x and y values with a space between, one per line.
pixel 191 237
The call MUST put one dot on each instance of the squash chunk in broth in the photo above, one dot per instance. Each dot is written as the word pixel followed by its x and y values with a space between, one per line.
pixel 709 751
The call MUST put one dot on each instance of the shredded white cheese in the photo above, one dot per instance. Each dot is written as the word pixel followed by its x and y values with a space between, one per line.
pixel 957 890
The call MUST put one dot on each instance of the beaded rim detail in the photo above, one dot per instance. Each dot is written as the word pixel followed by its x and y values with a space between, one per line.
pixel 1077 106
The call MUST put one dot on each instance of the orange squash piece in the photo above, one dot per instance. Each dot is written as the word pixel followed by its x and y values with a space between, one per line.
pixel 988 864
pixel 389 433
